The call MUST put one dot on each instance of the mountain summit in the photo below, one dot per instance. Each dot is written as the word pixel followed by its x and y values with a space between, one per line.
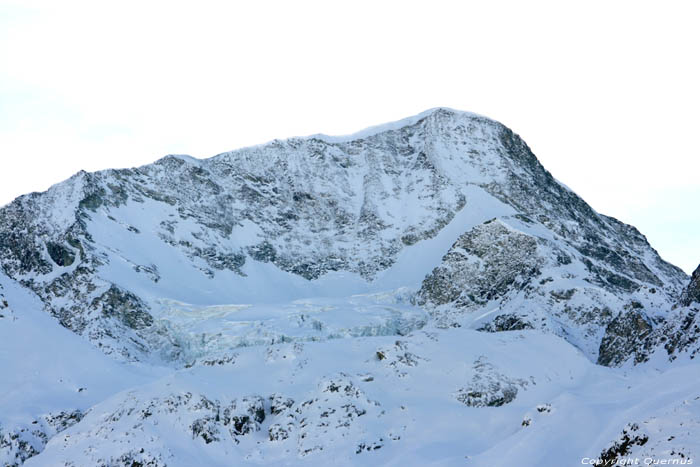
pixel 389 255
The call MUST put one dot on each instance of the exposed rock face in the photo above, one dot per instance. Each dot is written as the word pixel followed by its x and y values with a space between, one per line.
pixel 678 333
pixel 622 447
pixel 124 306
pixel 622 335
pixel 484 264
pixel 682 334
pixel 21 443
pixel 692 293
pixel 506 322
pixel 687 330
pixel 488 388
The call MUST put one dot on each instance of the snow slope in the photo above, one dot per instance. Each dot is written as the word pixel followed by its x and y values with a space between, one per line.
pixel 51 376
pixel 339 402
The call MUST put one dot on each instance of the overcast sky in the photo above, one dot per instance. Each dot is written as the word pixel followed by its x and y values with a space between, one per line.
pixel 605 93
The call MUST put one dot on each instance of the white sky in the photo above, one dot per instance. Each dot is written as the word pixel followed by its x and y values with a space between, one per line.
pixel 605 93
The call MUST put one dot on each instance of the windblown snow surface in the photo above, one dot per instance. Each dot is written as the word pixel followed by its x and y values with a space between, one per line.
pixel 419 293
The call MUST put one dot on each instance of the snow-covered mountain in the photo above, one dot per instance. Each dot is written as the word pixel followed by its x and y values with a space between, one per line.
pixel 423 291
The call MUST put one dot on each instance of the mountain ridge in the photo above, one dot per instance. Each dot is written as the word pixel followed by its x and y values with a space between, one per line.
pixel 365 200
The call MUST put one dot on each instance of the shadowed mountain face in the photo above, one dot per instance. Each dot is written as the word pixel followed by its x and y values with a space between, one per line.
pixel 692 293
pixel 326 299
pixel 678 332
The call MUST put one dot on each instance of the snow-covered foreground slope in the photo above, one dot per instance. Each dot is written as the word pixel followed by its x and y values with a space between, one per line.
pixel 433 396
pixel 50 376
pixel 422 292
pixel 436 397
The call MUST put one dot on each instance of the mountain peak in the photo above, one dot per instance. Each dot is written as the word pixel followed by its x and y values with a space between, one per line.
pixel 343 215
pixel 433 113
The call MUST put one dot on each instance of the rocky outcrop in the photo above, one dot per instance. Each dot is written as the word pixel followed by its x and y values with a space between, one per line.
pixel 666 436
pixel 507 322
pixel 19 443
pixel 623 336
pixel 524 279
pixel 484 264
pixel 677 333
pixel 124 306
pixel 692 293
pixel 488 388
pixel 622 447
pixel 337 410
